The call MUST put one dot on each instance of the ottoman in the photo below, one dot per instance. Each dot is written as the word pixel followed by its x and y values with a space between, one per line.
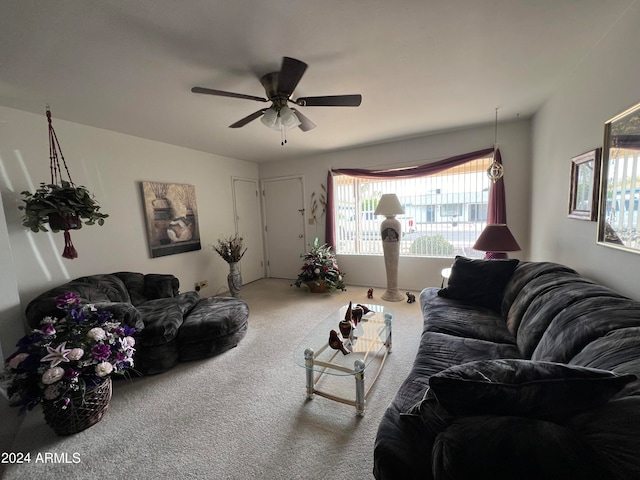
pixel 213 326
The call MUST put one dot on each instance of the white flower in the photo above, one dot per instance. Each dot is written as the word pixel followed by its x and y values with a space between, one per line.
pixel 103 369
pixel 17 360
pixel 57 355
pixel 75 354
pixel 316 271
pixel 97 334
pixel 128 341
pixel 52 375
pixel 51 392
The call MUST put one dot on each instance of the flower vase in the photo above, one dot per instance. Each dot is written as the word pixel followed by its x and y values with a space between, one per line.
pixel 234 279
pixel 84 409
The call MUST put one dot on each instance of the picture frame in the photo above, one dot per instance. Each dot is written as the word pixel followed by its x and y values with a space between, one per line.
pixel 171 217
pixel 619 204
pixel 585 185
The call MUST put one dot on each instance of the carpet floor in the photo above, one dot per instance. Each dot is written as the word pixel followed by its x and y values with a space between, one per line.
pixel 239 415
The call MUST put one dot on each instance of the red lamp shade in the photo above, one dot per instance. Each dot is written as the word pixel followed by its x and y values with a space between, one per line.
pixel 496 238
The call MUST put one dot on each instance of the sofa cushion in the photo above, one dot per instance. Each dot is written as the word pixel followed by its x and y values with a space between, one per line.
pixel 523 388
pixel 163 317
pixel 158 285
pixel 479 282
pixel 508 448
pixel 134 282
pixel 448 316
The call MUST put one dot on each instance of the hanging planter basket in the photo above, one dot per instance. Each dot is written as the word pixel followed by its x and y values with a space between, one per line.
pixel 58 221
pixel 60 204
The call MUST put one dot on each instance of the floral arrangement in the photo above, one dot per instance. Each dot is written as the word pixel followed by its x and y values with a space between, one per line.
pixel 230 248
pixel 68 355
pixel 321 265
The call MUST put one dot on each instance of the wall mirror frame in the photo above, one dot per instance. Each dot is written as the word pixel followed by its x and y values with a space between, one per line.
pixel 620 182
pixel 585 182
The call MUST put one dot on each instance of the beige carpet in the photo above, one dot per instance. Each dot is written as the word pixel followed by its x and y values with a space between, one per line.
pixel 240 415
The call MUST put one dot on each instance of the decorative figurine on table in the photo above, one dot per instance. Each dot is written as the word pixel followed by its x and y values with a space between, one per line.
pixel 410 297
pixel 345 325
pixel 336 343
pixel 370 293
pixel 356 315
pixel 364 308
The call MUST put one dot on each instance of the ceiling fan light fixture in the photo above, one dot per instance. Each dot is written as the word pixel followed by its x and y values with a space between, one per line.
pixel 271 119
pixel 288 118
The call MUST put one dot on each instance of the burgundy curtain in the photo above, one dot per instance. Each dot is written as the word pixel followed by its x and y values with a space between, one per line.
pixel 410 172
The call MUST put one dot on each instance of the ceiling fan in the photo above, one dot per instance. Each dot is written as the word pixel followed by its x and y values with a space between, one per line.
pixel 279 87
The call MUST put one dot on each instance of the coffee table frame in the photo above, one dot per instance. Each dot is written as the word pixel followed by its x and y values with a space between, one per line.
pixel 314 375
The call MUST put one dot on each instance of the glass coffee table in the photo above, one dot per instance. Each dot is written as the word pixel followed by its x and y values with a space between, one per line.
pixel 370 341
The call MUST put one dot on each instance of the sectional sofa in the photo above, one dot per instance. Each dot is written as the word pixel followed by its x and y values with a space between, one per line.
pixel 525 370
pixel 171 326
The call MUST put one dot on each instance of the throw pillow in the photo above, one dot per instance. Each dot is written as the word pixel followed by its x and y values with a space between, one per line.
pixel 523 388
pixel 479 282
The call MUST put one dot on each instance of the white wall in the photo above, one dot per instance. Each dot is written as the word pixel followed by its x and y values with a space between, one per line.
pixel 416 273
pixel 111 165
pixel 570 123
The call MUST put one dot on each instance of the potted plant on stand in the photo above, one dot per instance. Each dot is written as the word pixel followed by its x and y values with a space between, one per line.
pixel 320 272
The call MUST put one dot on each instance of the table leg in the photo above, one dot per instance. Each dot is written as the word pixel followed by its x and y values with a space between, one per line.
pixel 360 399
pixel 388 320
pixel 308 361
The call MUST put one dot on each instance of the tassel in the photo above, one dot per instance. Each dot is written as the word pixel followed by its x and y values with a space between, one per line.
pixel 69 250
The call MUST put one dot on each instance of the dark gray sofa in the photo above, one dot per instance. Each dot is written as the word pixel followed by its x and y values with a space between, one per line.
pixel 525 375
pixel 171 326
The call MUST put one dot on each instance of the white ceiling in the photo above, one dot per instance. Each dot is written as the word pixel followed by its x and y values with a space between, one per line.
pixel 421 65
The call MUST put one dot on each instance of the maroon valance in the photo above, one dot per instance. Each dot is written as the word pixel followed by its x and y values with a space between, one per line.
pixel 409 172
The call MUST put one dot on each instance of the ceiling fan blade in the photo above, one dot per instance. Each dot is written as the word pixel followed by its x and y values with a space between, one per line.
pixel 249 118
pixel 290 74
pixel 221 93
pixel 305 123
pixel 330 101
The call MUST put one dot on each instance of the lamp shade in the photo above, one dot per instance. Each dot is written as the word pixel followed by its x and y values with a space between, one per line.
pixel 496 238
pixel 389 205
pixel 288 118
pixel 271 119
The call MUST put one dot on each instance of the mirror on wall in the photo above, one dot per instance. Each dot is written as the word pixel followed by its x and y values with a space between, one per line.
pixel 620 184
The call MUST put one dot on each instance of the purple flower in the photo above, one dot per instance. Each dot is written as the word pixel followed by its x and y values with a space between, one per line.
pixel 101 352
pixel 66 300
pixel 128 331
pixel 71 373
pixel 78 315
pixel 48 329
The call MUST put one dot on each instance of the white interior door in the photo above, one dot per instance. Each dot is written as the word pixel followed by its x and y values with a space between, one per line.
pixel 284 225
pixel 246 204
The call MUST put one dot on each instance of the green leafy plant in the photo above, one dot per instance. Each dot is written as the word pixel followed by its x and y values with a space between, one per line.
pixel 65 199
pixel 321 265
pixel 435 245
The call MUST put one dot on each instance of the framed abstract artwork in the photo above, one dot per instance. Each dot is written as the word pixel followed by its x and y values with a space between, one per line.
pixel 172 218
pixel 585 181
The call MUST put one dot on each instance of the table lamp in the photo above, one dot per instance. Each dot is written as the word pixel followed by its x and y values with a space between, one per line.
pixel 391 233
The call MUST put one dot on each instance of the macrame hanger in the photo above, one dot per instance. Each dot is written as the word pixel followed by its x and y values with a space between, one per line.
pixel 54 161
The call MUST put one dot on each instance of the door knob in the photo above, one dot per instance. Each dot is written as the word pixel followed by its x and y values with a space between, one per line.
pixel 300 236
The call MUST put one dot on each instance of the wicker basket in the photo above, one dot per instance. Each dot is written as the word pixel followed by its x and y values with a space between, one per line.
pixel 318 286
pixel 83 411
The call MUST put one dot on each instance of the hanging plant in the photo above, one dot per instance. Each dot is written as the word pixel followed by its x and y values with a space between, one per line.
pixel 60 204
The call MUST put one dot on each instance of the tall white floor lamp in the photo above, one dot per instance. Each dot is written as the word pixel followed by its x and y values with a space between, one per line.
pixel 391 233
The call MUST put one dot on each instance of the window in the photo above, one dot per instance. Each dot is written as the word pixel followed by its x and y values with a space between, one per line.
pixel 444 213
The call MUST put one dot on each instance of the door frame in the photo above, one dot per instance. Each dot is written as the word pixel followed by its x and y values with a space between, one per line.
pixel 264 213
pixel 261 240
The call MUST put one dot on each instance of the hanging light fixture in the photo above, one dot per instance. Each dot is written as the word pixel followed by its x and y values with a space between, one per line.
pixel 495 170
pixel 280 118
